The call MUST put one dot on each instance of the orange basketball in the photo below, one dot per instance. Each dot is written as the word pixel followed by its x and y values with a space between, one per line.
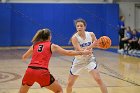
pixel 104 42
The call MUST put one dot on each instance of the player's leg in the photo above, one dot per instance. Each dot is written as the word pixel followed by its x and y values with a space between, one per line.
pixel 55 87
pixel 24 89
pixel 49 82
pixel 95 74
pixel 92 68
pixel 27 82
pixel 71 81
pixel 74 73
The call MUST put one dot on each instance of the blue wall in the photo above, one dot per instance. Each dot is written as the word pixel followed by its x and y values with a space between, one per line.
pixel 5 25
pixel 19 22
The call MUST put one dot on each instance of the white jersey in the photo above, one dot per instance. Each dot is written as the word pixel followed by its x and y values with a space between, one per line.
pixel 83 43
pixel 80 62
pixel 86 42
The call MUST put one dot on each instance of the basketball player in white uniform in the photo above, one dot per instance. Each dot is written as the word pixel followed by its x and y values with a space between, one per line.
pixel 82 40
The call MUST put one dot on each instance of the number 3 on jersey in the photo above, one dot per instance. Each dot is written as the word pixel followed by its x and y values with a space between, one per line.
pixel 40 48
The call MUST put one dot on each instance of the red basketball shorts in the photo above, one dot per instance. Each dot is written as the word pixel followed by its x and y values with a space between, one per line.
pixel 41 76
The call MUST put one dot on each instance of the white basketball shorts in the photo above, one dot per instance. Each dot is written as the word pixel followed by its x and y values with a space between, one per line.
pixel 83 63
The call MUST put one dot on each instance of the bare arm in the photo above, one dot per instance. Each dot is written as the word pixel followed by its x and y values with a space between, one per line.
pixel 27 54
pixel 94 40
pixel 60 50
pixel 76 44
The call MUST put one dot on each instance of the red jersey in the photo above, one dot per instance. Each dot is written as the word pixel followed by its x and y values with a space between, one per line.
pixel 41 54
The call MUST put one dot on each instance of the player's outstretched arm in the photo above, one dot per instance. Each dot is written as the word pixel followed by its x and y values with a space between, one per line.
pixel 60 50
pixel 94 40
pixel 27 54
pixel 93 45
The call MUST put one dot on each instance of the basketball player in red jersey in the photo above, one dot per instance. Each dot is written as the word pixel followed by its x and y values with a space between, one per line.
pixel 41 52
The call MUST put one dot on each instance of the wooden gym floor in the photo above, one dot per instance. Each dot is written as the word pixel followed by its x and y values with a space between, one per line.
pixel 121 74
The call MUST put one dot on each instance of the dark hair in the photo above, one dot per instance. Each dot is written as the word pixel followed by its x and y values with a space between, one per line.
pixel 41 35
pixel 80 20
pixel 75 22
